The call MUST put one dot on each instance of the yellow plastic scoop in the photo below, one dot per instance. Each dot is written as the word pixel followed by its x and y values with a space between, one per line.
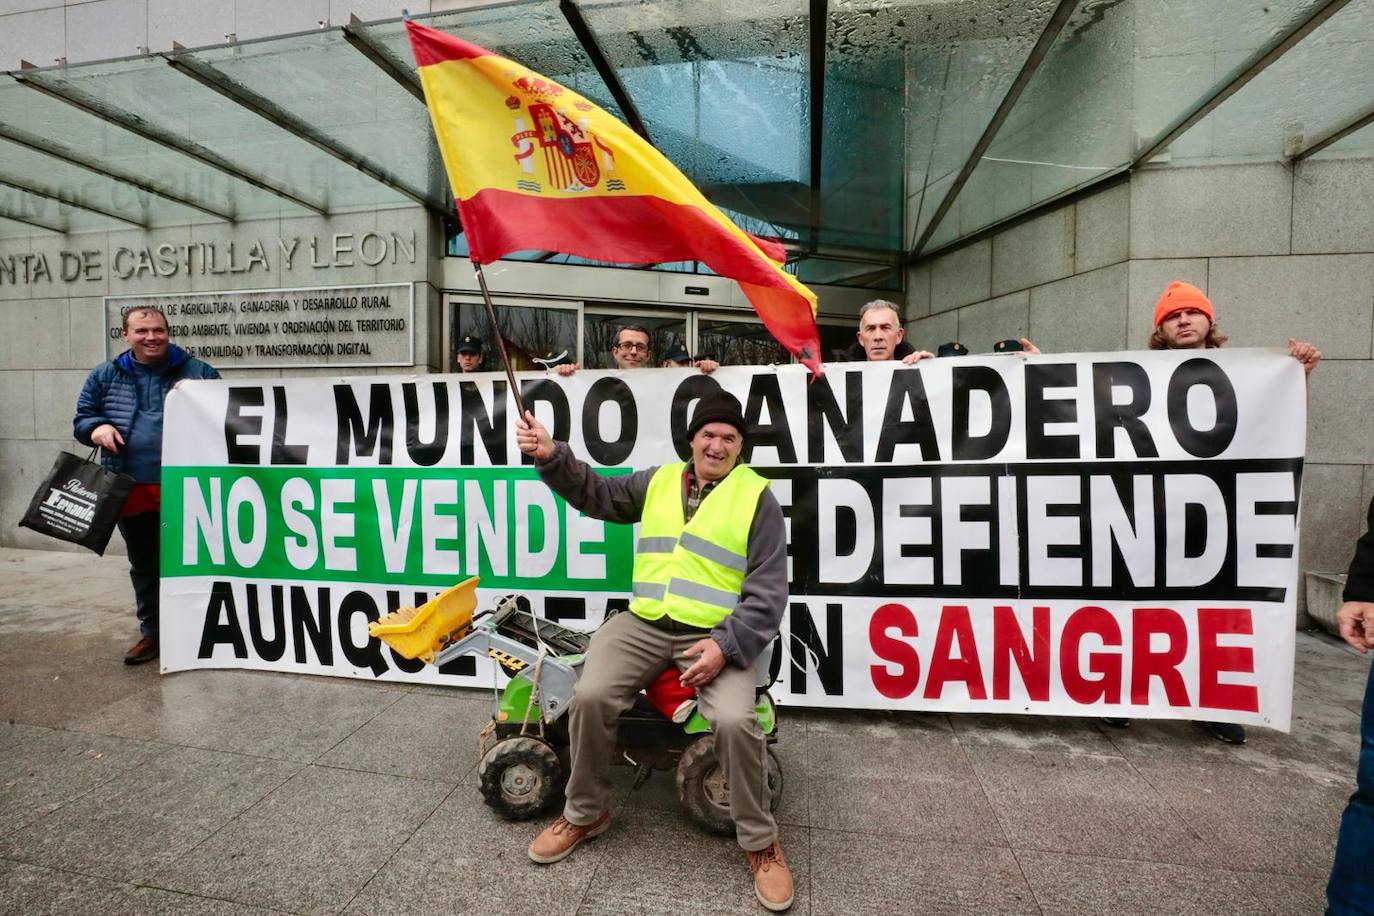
pixel 422 632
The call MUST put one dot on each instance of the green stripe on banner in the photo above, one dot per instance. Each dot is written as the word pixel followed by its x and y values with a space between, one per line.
pixel 420 526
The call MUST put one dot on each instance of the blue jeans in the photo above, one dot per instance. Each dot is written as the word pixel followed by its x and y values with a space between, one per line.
pixel 142 533
pixel 1351 888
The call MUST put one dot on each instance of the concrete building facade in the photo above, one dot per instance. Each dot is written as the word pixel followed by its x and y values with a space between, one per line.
pixel 1284 248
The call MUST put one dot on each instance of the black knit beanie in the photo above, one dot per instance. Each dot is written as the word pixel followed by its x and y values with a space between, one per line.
pixel 717 407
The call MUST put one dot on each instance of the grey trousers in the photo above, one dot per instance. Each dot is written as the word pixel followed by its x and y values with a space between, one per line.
pixel 626 654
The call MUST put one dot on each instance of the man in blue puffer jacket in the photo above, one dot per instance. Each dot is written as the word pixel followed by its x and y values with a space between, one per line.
pixel 120 410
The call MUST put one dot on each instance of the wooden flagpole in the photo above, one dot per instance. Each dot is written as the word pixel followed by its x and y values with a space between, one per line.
pixel 500 341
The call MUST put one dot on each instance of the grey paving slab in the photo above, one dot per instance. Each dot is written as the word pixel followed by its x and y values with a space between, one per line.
pixel 1066 885
pixel 150 901
pixel 871 722
pixel 1322 736
pixel 102 588
pixel 270 715
pixel 1329 690
pixel 1170 738
pixel 880 874
pixel 420 735
pixel 69 630
pixel 1083 804
pixel 16 563
pixel 130 826
pixel 1276 819
pixel 45 689
pixel 37 891
pixel 1063 734
pixel 898 786
pixel 44 769
pixel 1287 895
pixel 637 875
pixel 309 846
pixel 1319 742
pixel 465 859
pixel 12 733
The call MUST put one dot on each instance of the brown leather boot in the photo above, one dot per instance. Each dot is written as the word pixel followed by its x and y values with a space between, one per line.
pixel 145 650
pixel 560 838
pixel 772 877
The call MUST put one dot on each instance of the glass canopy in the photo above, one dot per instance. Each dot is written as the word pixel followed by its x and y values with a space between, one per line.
pixel 862 132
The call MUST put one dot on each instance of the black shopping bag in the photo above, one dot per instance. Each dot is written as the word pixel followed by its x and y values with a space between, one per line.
pixel 79 502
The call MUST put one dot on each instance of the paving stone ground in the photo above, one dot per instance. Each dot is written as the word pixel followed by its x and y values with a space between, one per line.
pixel 126 791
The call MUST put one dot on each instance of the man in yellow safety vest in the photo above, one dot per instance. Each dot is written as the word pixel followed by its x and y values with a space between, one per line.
pixel 710 587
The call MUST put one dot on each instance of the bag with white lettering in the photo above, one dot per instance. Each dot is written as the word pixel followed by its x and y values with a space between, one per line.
pixel 79 502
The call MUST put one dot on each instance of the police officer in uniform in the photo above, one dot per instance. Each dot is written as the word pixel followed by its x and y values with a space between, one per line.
pixel 468 354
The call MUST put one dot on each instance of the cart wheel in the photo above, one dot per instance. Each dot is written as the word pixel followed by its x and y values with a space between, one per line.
pixel 486 739
pixel 520 777
pixel 704 792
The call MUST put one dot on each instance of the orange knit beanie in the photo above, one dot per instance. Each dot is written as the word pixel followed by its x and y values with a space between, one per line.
pixel 1179 295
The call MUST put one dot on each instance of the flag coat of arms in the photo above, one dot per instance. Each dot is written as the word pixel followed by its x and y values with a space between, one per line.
pixel 535 166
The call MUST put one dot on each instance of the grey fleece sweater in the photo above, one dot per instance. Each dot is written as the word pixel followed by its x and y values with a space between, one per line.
pixel 753 624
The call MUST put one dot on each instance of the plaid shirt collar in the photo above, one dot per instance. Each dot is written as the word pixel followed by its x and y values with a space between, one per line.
pixel 694 493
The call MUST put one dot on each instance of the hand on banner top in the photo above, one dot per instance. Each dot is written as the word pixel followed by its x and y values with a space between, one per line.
pixel 533 438
pixel 535 165
pixel 1305 353
pixel 1356 622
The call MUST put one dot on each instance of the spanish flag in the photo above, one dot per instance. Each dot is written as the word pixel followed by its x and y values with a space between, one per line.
pixel 534 165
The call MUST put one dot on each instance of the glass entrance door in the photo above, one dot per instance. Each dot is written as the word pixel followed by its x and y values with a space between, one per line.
pixel 532 330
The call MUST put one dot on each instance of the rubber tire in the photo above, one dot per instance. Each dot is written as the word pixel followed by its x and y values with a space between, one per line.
pixel 698 779
pixel 520 777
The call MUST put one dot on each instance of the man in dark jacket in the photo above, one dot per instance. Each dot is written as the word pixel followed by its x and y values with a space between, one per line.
pixel 880 336
pixel 1351 888
pixel 120 410
pixel 710 588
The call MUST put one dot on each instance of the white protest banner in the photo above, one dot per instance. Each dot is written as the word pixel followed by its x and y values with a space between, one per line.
pixel 1090 534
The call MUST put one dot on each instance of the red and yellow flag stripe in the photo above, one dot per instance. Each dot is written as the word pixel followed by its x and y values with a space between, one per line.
pixel 535 165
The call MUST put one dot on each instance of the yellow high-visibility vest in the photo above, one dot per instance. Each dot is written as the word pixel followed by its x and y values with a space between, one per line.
pixel 693 571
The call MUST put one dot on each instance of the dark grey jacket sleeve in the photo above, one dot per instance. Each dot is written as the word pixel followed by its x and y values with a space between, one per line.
pixel 612 499
pixel 754 623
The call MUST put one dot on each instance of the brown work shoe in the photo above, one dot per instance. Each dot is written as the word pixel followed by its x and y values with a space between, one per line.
pixel 145 650
pixel 561 837
pixel 772 877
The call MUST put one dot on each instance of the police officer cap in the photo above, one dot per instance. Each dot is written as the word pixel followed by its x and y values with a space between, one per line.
pixel 717 407
pixel 470 344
